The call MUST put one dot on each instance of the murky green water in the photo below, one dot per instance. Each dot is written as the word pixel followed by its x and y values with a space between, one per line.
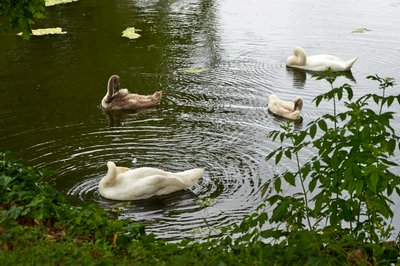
pixel 216 62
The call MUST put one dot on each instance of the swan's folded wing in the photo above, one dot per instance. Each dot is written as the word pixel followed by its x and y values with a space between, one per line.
pixel 157 185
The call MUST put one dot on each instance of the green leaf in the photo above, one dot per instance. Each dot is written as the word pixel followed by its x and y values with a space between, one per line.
pixel 318 100
pixel 277 185
pixel 372 177
pixel 278 157
pixel 359 187
pixel 339 94
pixel 5 181
pixel 36 201
pixel 342 116
pixel 313 130
pixel 390 100
pixel 312 184
pixel 290 178
pixel 300 137
pixel 376 98
pixel 274 233
pixel 270 155
pixel 282 136
pixel 322 125
pixel 391 144
pixel 288 154
pixel 349 92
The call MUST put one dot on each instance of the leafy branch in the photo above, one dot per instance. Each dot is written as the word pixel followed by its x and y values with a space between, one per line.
pixel 348 182
pixel 20 14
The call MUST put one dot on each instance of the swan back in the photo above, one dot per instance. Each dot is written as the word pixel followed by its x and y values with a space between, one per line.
pixel 285 109
pixel 144 182
pixel 318 62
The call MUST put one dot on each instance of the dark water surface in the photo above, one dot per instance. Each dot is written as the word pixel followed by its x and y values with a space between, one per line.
pixel 216 62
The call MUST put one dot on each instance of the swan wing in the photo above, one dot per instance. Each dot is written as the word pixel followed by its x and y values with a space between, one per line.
pixel 142 173
pixel 278 106
pixel 154 185
pixel 323 61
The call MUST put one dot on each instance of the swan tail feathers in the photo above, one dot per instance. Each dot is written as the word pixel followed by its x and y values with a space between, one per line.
pixel 189 177
pixel 350 63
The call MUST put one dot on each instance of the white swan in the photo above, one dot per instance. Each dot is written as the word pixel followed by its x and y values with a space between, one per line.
pixel 318 62
pixel 288 110
pixel 120 99
pixel 121 183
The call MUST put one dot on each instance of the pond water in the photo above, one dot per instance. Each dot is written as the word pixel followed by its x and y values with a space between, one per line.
pixel 217 61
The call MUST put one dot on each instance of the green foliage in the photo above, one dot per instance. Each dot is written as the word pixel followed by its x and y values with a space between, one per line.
pixel 27 204
pixel 20 14
pixel 345 187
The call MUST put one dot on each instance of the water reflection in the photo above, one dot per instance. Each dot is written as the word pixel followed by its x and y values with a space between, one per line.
pixel 122 117
pixel 299 76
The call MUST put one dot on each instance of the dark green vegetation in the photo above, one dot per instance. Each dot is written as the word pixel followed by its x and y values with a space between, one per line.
pixel 20 14
pixel 338 215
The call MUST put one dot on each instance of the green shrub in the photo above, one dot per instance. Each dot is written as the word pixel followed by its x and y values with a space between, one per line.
pixel 343 190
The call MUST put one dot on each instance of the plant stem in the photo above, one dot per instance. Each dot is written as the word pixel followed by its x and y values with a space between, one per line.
pixel 334 112
pixel 303 188
pixel 383 97
pixel 335 139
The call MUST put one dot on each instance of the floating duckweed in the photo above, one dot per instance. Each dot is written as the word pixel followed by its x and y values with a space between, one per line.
pixel 57 2
pixel 361 30
pixel 47 31
pixel 206 202
pixel 206 231
pixel 131 33
pixel 121 206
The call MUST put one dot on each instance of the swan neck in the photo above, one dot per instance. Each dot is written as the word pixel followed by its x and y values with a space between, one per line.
pixel 111 176
pixel 298 104
pixel 110 87
pixel 301 56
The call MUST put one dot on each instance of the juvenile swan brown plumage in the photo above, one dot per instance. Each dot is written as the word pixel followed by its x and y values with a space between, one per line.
pixel 117 99
pixel 121 183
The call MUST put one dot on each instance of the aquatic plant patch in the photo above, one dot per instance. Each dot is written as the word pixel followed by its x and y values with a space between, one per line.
pixel 131 33
pixel 46 31
pixel 58 2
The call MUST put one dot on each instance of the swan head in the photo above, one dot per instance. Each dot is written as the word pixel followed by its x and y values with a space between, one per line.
pixel 298 103
pixel 298 58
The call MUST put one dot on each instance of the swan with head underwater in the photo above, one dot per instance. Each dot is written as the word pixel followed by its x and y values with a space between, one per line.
pixel 117 99
pixel 121 183
pixel 286 109
pixel 318 63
